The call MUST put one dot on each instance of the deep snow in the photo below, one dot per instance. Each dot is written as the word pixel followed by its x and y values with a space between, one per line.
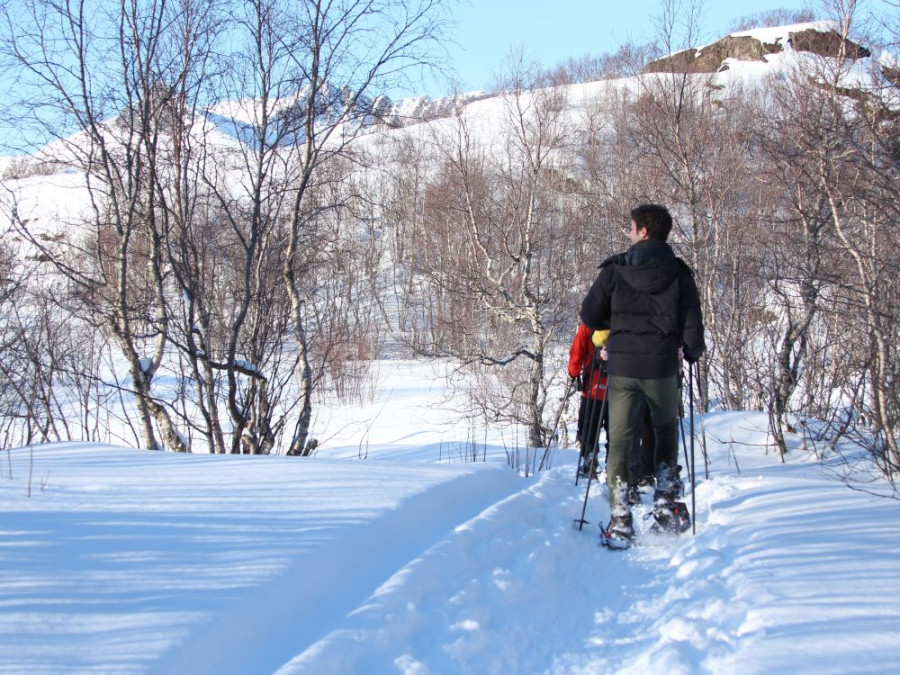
pixel 123 560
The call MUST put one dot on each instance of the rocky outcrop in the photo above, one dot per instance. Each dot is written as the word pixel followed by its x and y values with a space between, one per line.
pixel 711 59
pixel 826 43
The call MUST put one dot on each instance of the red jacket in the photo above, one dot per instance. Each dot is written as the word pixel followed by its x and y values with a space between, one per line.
pixel 581 356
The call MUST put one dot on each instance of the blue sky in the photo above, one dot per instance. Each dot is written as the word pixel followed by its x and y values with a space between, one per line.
pixel 553 30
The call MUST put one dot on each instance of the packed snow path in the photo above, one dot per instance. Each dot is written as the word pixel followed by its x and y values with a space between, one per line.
pixel 323 585
pixel 790 572
pixel 129 561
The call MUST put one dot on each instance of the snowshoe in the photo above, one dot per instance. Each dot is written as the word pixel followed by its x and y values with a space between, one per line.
pixel 618 534
pixel 671 517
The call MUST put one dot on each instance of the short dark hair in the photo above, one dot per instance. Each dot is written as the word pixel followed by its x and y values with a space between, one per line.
pixel 655 218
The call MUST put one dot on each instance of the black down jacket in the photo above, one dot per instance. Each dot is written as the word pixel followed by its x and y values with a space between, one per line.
pixel 651 302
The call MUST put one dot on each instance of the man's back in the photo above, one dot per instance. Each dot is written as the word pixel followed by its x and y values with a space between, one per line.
pixel 651 301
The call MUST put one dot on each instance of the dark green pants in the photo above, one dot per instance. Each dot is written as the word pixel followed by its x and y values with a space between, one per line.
pixel 625 410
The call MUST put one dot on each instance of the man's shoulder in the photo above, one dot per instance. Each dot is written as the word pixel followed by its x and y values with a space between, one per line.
pixel 684 268
pixel 617 259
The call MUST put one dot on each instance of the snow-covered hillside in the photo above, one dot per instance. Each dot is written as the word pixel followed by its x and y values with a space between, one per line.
pixel 760 54
pixel 127 561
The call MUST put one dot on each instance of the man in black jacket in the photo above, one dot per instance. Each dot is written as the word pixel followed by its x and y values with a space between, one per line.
pixel 651 302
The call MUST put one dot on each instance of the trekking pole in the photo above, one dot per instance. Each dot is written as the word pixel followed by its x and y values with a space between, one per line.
pixel 702 425
pixel 589 407
pixel 581 521
pixel 687 465
pixel 693 473
pixel 562 406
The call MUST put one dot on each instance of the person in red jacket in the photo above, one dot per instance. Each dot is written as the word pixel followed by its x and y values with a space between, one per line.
pixel 587 357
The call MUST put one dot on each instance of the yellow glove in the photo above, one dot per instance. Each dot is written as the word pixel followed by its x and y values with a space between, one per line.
pixel 600 337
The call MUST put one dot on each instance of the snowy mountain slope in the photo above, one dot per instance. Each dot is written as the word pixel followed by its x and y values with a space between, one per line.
pixel 128 561
pixel 233 120
pixel 777 57
pixel 57 201
pixel 51 205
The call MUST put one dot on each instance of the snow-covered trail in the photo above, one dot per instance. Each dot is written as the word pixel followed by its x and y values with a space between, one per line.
pixel 129 561
pixel 790 571
pixel 320 587
pixel 511 590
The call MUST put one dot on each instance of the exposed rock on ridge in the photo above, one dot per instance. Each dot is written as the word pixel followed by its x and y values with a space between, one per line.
pixel 826 44
pixel 711 58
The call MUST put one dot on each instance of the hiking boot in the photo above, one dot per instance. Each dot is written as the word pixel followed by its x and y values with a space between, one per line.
pixel 663 497
pixel 646 484
pixel 589 468
pixel 668 483
pixel 634 495
pixel 677 482
pixel 620 531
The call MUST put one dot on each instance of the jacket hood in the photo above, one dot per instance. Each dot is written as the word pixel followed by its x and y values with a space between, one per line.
pixel 649 266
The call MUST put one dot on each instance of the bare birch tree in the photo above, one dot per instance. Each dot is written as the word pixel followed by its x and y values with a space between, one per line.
pixel 345 52
pixel 95 72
